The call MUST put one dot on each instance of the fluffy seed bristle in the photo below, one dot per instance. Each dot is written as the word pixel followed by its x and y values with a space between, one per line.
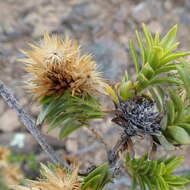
pixel 11 175
pixel 56 66
pixel 59 179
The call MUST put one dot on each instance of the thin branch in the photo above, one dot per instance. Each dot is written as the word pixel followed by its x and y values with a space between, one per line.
pixel 113 153
pixel 97 135
pixel 29 123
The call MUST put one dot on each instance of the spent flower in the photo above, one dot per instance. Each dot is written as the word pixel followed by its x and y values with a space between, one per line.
pixel 56 65
pixel 138 115
pixel 56 179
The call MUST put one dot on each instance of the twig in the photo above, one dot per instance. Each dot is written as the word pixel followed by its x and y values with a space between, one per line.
pixel 29 123
pixel 113 153
pixel 97 135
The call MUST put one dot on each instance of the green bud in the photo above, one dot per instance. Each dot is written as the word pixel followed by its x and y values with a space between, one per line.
pixel 148 71
pixel 126 90
pixel 142 82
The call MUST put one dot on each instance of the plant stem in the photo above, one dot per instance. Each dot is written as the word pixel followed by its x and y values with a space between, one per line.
pixel 29 123
pixel 113 153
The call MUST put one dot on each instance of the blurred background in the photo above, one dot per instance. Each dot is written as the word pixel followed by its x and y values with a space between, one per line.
pixel 103 28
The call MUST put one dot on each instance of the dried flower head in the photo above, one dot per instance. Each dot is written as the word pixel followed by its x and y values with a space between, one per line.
pixel 11 175
pixel 139 115
pixel 56 66
pixel 59 179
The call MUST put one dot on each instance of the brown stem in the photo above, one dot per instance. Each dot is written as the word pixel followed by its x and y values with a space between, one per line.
pixel 97 135
pixel 29 123
pixel 113 154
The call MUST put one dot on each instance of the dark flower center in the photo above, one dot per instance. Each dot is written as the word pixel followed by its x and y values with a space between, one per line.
pixel 139 115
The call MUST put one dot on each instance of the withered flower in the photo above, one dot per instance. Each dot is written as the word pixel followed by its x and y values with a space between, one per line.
pixel 139 115
pixel 11 174
pixel 56 65
pixel 57 179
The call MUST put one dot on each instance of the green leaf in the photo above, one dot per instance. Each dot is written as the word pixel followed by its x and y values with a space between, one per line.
pixel 147 168
pixel 98 178
pixel 156 98
pixel 68 127
pixel 141 46
pixel 147 71
pixel 164 122
pixel 93 182
pixel 46 99
pixel 165 68
pixel 171 80
pixel 163 185
pixel 125 90
pixel 58 121
pixel 142 82
pixel 156 55
pixel 153 170
pixel 161 93
pixel 141 183
pixel 134 56
pixel 178 104
pixel 155 181
pixel 176 180
pixel 157 39
pixel 185 118
pixel 169 38
pixel 43 113
pixel 161 169
pixel 148 36
pixel 185 126
pixel 71 111
pixel 147 181
pixel 186 79
pixel 171 48
pixel 170 112
pixel 154 174
pixel 164 142
pixel 179 134
pixel 149 42
pixel 173 57
pixel 126 77
pixel 170 159
pixel 134 184
pixel 96 171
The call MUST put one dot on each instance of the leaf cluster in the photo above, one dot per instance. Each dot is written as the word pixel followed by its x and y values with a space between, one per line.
pixel 157 58
pixel 154 174
pixel 176 121
pixel 68 112
pixel 98 178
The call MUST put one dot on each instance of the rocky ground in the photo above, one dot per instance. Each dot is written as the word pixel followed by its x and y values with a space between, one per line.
pixel 103 28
